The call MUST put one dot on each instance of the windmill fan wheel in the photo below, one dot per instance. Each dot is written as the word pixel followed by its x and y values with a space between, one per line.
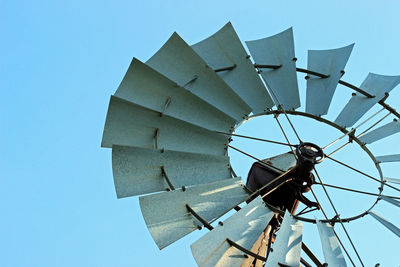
pixel 170 124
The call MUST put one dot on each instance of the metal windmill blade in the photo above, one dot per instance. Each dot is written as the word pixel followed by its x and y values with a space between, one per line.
pixel 170 124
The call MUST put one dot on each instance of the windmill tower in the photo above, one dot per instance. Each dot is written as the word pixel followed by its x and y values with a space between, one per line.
pixel 170 125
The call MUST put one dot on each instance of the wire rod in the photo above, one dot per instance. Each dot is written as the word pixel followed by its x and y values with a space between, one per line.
pixel 363 173
pixel 352 130
pixel 320 75
pixel 338 216
pixel 311 255
pixel 359 135
pixel 284 133
pixel 258 160
pixel 373 125
pixel 304 212
pixel 254 138
pixel 333 229
pixel 356 191
pixel 282 108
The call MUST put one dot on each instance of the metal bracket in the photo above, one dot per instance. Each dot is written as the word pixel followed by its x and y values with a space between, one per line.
pixel 156 132
pixel 248 252
pixel 164 174
pixel 198 217
pixel 263 66
pixel 167 102
pixel 226 68
pixel 190 81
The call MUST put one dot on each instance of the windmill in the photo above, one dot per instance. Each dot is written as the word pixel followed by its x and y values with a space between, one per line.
pixel 171 121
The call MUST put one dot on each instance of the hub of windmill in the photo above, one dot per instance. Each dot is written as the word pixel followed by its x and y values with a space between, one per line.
pixel 284 187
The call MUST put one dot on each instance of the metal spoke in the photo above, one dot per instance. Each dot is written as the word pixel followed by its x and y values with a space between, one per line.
pixel 286 115
pixel 337 236
pixel 258 160
pixel 357 191
pixel 338 216
pixel 362 133
pixel 255 138
pixel 352 130
pixel 284 134
pixel 363 173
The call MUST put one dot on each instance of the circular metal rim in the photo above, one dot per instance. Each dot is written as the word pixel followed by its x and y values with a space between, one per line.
pixel 343 130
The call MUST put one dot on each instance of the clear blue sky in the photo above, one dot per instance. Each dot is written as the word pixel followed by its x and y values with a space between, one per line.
pixel 60 61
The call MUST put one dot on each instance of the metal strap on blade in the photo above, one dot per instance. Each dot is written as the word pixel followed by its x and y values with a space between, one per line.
pixel 376 85
pixel 388 158
pixel 287 246
pixel 180 63
pixel 129 124
pixel 381 132
pixel 386 223
pixel 330 246
pixel 168 219
pixel 391 180
pixel 242 229
pixel 391 201
pixel 146 87
pixel 320 90
pixel 138 171
pixel 278 50
pixel 224 51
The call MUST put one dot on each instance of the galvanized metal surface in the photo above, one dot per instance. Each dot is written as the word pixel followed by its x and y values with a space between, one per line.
pixel 320 90
pixel 224 49
pixel 381 132
pixel 168 219
pixel 392 180
pixel 278 50
pixel 388 158
pixel 287 246
pixel 391 201
pixel 180 63
pixel 330 246
pixel 243 228
pixel 129 124
pixel 283 161
pixel 376 85
pixel 386 223
pixel 137 170
pixel 146 87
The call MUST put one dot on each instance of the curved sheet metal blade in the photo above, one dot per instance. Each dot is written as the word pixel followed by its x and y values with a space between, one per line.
pixel 391 180
pixel 278 50
pixel 243 228
pixel 330 246
pixel 321 90
pixel 129 124
pixel 146 87
pixel 376 85
pixel 381 132
pixel 391 201
pixel 388 158
pixel 287 246
pixel 168 219
pixel 386 223
pixel 224 49
pixel 138 171
pixel 180 63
